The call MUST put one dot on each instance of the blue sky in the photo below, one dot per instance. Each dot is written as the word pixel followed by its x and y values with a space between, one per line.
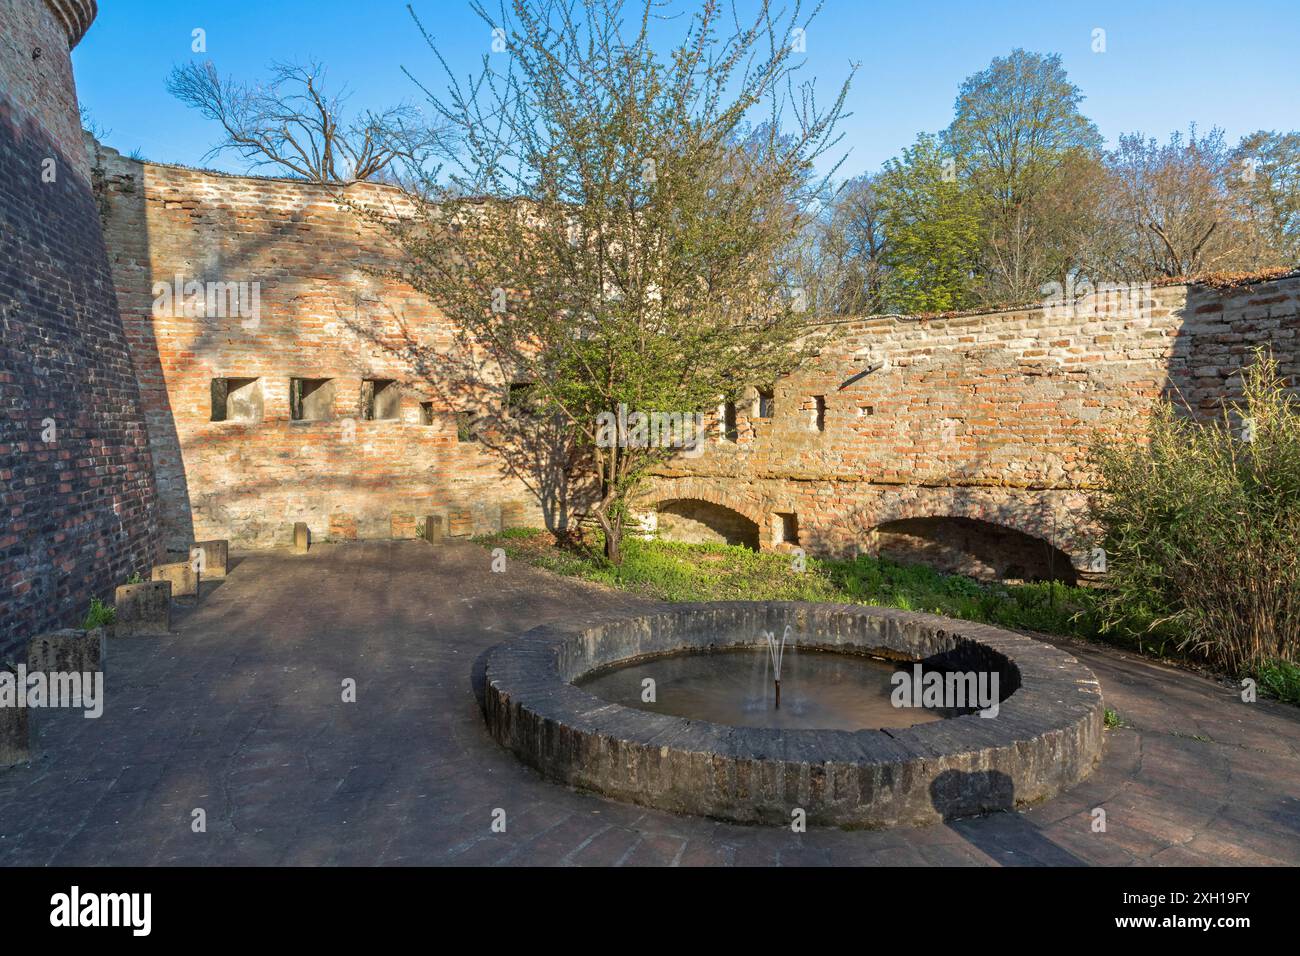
pixel 1165 65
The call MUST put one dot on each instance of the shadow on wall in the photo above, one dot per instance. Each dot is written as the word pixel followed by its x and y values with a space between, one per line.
pixel 702 522
pixel 980 549
pixel 532 448
pixel 125 223
pixel 324 294
pixel 1217 337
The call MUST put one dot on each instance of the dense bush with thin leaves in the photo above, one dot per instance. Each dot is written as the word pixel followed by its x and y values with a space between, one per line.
pixel 1201 526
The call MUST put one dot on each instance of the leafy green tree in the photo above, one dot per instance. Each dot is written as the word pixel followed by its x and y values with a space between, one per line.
pixel 1016 132
pixel 932 225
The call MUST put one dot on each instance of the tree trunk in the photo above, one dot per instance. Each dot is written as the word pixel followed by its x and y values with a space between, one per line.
pixel 614 544
pixel 613 531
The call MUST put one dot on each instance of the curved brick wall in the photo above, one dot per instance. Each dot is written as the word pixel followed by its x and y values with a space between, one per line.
pixel 78 509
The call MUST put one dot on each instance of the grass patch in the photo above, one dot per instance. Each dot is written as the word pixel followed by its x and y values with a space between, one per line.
pixel 671 571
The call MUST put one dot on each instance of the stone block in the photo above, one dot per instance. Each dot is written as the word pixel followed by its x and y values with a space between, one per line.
pixel 434 528
pixel 181 575
pixel 143 609
pixel 301 537
pixel 15 740
pixel 343 527
pixel 214 556
pixel 460 523
pixel 66 651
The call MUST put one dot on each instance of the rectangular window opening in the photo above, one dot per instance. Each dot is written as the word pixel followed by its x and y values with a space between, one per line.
pixel 766 402
pixel 426 413
pixel 311 399
pixel 381 400
pixel 785 528
pixel 521 399
pixel 819 413
pixel 236 400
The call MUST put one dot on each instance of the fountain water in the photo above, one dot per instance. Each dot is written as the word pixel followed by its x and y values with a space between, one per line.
pixel 775 654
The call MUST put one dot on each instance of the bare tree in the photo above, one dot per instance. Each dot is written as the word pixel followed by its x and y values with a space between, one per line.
pixel 293 123
pixel 840 257
pixel 1173 207
pixel 1267 178
pixel 621 254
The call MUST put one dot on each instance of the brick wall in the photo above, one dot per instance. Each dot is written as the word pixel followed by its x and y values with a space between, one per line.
pixel 984 417
pixel 323 313
pixel 76 489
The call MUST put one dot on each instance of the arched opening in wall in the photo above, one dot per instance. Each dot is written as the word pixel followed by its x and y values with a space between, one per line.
pixel 702 522
pixel 981 549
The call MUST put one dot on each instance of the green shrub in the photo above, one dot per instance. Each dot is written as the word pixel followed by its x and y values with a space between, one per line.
pixel 1201 526
pixel 1281 680
pixel 99 615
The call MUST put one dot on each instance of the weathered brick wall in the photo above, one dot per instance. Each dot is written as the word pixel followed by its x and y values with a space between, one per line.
pixel 76 486
pixel 323 314
pixel 984 417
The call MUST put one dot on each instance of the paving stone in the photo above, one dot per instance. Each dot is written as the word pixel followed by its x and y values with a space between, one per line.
pixel 224 714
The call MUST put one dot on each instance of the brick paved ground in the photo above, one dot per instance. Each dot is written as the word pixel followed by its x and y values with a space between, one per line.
pixel 239 713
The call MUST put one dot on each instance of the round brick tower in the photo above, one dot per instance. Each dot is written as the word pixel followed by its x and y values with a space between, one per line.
pixel 76 485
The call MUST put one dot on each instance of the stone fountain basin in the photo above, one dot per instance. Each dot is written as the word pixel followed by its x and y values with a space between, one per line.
pixel 1046 737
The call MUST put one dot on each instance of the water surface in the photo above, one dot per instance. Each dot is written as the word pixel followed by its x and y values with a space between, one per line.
pixel 820 690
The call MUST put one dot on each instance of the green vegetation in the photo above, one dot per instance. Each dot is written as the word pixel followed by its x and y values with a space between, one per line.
pixel 1202 530
pixel 671 571
pixel 1112 719
pixel 1281 680
pixel 99 615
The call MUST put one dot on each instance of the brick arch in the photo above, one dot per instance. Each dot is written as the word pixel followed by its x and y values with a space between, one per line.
pixel 700 491
pixel 749 531
pixel 974 547
pixel 1049 518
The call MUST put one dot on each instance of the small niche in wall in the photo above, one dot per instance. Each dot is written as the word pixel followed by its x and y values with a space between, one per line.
pixel 311 399
pixel 426 413
pixel 819 413
pixel 730 432
pixel 236 400
pixel 766 403
pixel 785 528
pixel 381 400
pixel 466 427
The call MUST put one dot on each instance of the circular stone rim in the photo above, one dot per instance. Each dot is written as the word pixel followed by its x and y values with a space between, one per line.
pixel 1046 737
